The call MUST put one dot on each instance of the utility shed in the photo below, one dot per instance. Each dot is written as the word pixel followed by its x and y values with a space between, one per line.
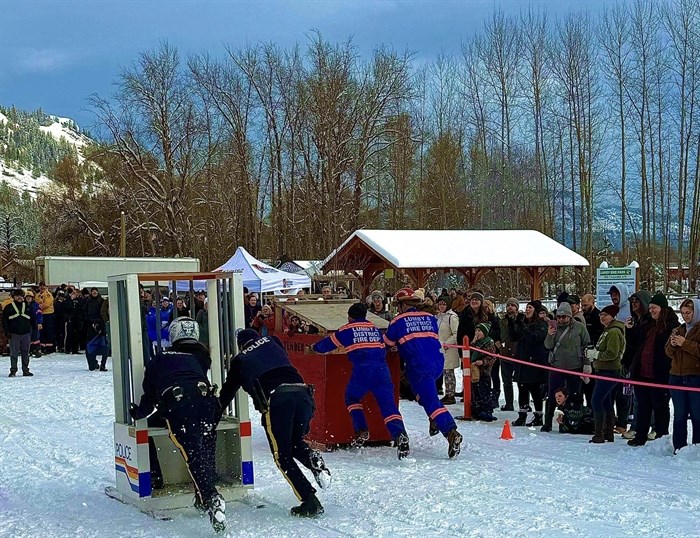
pixel 419 253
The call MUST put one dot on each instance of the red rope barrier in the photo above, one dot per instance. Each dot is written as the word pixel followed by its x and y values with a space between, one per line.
pixel 581 374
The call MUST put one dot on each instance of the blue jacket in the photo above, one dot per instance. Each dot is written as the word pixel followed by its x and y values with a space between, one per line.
pixel 415 334
pixel 361 339
pixel 165 318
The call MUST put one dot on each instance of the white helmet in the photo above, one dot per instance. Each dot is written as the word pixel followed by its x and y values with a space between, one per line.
pixel 183 330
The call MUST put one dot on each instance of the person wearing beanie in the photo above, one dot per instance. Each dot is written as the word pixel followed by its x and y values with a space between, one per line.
pixel 482 396
pixel 415 335
pixel 607 358
pixel 566 340
pixel 370 373
pixel 651 364
pixel 507 349
pixel 529 333
pixel 683 348
pixel 562 298
pixel 262 368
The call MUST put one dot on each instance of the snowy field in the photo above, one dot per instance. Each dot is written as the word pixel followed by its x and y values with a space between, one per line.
pixel 56 457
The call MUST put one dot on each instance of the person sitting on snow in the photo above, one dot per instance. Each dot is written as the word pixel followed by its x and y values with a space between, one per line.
pixel 571 415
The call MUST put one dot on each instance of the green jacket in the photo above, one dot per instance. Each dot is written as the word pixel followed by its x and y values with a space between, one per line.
pixel 610 346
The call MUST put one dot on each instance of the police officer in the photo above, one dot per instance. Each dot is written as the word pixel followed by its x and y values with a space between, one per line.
pixel 370 373
pixel 175 382
pixel 263 370
pixel 415 334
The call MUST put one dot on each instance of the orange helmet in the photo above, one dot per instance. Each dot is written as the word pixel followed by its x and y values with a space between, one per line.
pixel 406 294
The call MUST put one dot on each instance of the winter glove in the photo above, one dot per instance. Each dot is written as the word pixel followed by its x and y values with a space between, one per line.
pixel 587 369
pixel 591 354
pixel 134 412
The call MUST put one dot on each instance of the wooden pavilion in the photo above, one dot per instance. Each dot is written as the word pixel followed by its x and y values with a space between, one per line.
pixel 419 253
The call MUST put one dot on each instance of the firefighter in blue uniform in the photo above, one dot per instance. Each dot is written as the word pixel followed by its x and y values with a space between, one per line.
pixel 175 383
pixel 263 370
pixel 366 350
pixel 415 334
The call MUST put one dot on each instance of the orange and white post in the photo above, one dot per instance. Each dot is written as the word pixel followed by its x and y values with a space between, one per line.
pixel 466 380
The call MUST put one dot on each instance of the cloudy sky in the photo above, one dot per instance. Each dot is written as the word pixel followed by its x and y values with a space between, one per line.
pixel 55 53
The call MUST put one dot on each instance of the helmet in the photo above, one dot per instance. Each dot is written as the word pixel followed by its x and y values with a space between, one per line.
pixel 183 330
pixel 406 295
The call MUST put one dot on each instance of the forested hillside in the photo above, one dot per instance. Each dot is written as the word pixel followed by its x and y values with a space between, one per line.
pixel 25 145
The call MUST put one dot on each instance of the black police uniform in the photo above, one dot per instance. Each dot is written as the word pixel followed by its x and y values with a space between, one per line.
pixel 263 369
pixel 176 382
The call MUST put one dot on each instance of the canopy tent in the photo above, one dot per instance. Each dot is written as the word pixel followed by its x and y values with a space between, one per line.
pixel 419 253
pixel 260 277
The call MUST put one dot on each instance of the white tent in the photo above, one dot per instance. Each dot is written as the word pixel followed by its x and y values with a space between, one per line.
pixel 260 277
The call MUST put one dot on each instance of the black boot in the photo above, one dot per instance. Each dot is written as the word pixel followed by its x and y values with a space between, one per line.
pixel 216 507
pixel 311 507
pixel 548 417
pixel 454 438
pixel 318 467
pixel 536 421
pixel 609 427
pixel 433 429
pixel 520 421
pixel 598 425
pixel 361 437
pixel 401 443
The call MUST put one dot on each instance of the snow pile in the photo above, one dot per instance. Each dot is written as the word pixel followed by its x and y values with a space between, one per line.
pixel 57 457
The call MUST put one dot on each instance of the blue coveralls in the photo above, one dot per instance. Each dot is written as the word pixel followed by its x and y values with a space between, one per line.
pixel 416 336
pixel 363 343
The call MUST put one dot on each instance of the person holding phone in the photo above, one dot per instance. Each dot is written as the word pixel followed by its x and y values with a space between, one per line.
pixel 566 341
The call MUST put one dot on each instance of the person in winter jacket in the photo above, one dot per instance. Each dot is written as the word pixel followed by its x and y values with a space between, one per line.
pixel 651 364
pixel 591 315
pixel 181 310
pixel 97 345
pixel 252 309
pixel 93 311
pixel 48 333
pixel 607 357
pixel 203 322
pixel 566 342
pixel 264 322
pixel 571 415
pixel 35 344
pixel 370 373
pixel 683 348
pixel 74 321
pixel 482 396
pixel 376 306
pixel 529 333
pixel 415 334
pixel 619 295
pixel 61 306
pixel 448 322
pixel 18 321
pixel 508 346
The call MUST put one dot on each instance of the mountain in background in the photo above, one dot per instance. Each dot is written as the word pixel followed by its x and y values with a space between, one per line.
pixel 32 143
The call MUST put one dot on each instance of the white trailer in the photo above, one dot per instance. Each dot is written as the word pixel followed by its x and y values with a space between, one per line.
pixel 56 270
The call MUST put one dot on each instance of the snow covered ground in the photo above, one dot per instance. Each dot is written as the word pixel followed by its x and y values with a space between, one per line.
pixel 56 457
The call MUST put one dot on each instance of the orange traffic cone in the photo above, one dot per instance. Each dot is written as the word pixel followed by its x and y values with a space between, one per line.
pixel 506 434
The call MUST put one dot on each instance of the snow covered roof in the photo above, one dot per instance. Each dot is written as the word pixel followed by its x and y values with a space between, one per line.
pixel 437 249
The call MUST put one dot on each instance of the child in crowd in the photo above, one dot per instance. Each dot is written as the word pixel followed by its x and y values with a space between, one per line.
pixel 482 395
